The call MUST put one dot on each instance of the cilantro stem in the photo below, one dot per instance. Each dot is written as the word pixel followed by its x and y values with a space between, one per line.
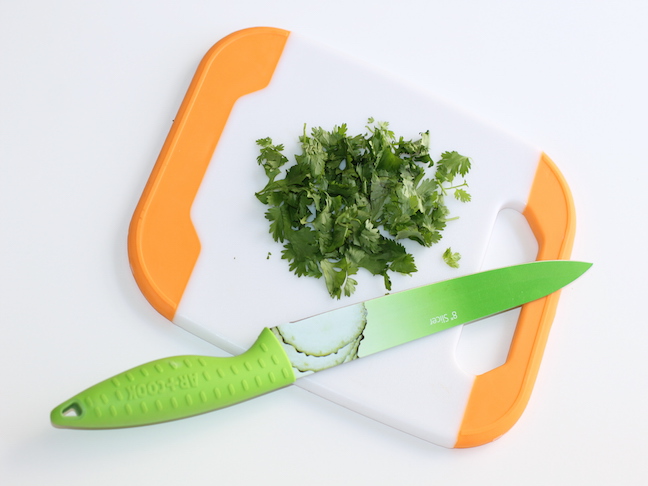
pixel 465 184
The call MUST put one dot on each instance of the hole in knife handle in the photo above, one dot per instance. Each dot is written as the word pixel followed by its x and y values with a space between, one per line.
pixel 73 410
pixel 484 345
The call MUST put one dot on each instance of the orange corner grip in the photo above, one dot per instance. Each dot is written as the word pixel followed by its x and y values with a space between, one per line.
pixel 499 396
pixel 162 243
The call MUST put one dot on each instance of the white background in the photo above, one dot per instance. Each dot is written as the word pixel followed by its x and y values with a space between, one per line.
pixel 88 91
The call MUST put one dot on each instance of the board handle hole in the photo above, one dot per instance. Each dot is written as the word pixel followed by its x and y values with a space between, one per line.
pixel 484 345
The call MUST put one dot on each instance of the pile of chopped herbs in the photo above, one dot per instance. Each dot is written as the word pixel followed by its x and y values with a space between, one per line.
pixel 346 201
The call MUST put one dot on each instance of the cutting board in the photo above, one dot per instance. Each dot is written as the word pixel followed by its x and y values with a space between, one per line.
pixel 202 255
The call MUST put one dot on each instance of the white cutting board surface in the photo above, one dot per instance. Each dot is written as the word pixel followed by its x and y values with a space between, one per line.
pixel 236 289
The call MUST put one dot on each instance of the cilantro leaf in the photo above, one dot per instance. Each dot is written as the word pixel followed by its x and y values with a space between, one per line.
pixel 279 222
pixel 339 281
pixel 271 157
pixel 453 163
pixel 300 251
pixel 462 195
pixel 452 259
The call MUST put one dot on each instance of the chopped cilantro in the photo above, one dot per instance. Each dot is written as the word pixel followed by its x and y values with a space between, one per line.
pixel 451 259
pixel 346 200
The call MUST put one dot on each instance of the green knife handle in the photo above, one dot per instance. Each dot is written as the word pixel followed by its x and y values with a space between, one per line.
pixel 178 387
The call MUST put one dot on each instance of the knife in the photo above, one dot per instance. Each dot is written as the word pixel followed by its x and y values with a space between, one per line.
pixel 183 386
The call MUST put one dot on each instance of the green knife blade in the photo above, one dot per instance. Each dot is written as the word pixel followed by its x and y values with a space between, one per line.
pixel 182 386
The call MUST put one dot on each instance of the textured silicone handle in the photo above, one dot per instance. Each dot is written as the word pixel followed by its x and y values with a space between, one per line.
pixel 178 387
